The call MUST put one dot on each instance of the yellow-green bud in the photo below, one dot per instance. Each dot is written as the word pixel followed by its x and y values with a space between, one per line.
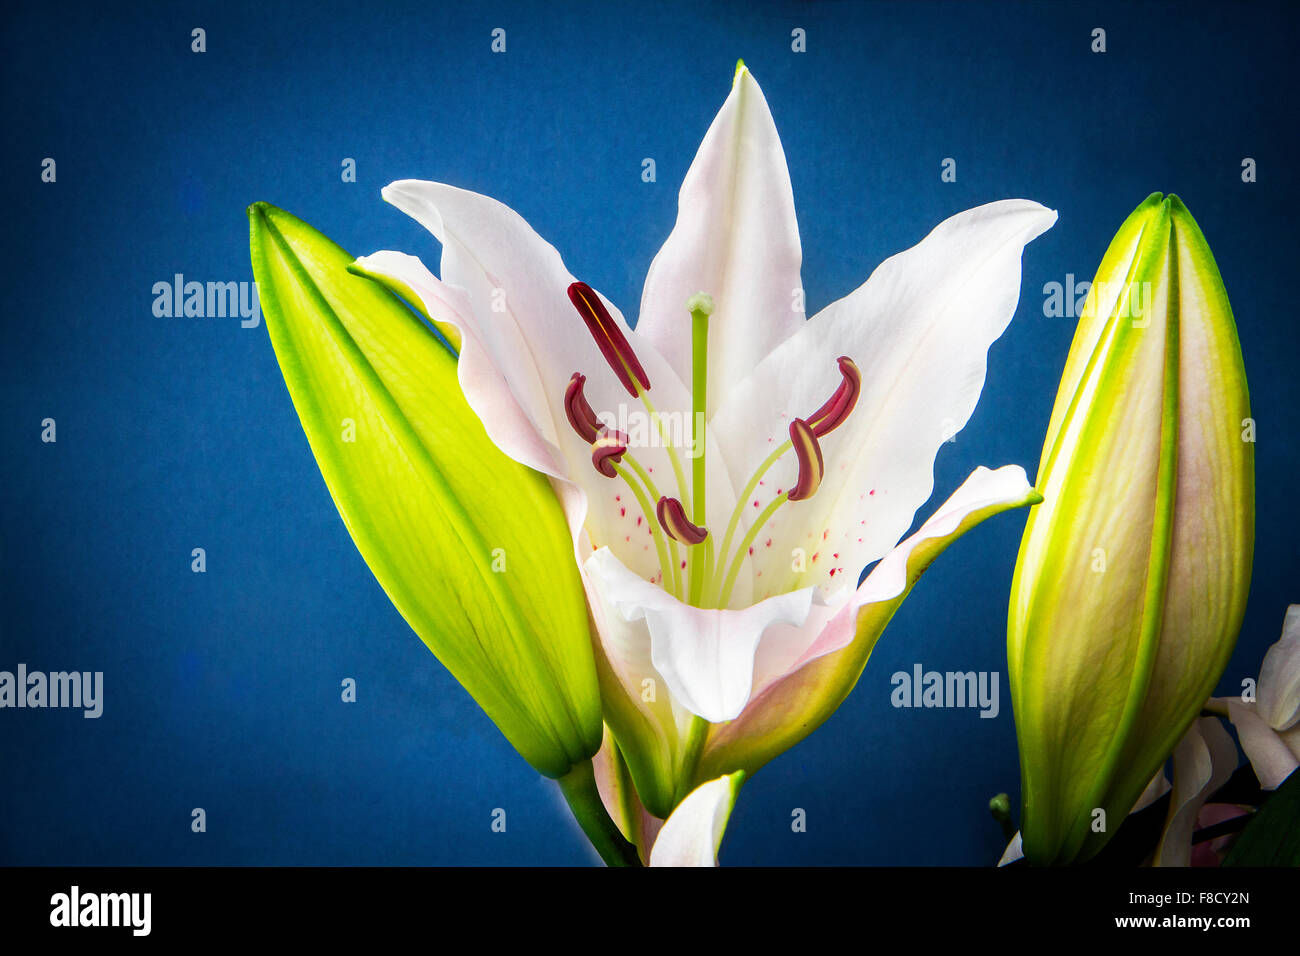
pixel 1132 576
pixel 472 547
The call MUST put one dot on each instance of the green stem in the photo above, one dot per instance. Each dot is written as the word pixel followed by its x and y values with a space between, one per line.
pixel 695 738
pixel 579 789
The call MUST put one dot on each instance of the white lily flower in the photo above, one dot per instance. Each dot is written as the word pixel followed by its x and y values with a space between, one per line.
pixel 723 584
pixel 1268 727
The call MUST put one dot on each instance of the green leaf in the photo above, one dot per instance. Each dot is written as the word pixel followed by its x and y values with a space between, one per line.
pixel 471 547
pixel 1273 837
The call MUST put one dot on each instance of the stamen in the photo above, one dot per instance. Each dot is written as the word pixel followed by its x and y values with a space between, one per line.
pixel 576 406
pixel 832 414
pixel 608 450
pixel 809 453
pixel 672 517
pixel 609 338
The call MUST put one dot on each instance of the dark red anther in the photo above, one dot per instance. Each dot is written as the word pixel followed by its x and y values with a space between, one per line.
pixel 809 453
pixel 609 338
pixel 672 518
pixel 576 406
pixel 607 451
pixel 831 415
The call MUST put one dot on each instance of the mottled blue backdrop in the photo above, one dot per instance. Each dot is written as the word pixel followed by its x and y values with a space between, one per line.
pixel 222 689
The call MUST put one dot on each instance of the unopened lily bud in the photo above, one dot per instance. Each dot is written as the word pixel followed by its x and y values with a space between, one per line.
pixel 1132 576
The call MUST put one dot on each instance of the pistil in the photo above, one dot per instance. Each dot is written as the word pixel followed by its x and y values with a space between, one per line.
pixel 701 307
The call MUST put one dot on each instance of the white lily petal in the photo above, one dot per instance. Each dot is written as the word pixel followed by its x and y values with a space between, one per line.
pixel 736 238
pixel 693 833
pixel 1268 751
pixel 1156 789
pixel 786 709
pixel 1015 851
pixel 983 488
pixel 919 330
pixel 617 793
pixel 1279 677
pixel 705 656
pixel 1203 761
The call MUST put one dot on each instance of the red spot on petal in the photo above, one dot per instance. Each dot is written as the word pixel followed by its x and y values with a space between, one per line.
pixel 872 491
pixel 815 553
pixel 683 564
pixel 833 570
pixel 769 542
pixel 825 534
pixel 836 555
pixel 751 550
pixel 622 512
pixel 627 537
pixel 755 503
pixel 638 521
pixel 618 497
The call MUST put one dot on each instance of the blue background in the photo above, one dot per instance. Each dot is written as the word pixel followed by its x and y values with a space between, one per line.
pixel 222 689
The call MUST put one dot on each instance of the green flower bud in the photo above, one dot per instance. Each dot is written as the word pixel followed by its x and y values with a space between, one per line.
pixel 1132 576
pixel 472 547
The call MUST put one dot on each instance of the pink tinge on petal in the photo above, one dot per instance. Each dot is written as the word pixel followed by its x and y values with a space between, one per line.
pixel 783 696
pixel 705 656
pixel 1212 852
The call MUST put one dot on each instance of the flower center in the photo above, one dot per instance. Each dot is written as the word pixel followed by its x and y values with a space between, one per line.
pixel 681 520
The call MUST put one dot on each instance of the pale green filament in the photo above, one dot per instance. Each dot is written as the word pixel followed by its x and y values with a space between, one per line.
pixel 745 543
pixel 652 516
pixel 683 489
pixel 649 513
pixel 763 469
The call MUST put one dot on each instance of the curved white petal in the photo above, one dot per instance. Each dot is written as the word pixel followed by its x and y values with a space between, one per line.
pixel 736 239
pixel 693 832
pixel 982 489
pixel 1156 789
pixel 1279 676
pixel 1268 751
pixel 797 695
pixel 1203 761
pixel 705 656
pixel 919 330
